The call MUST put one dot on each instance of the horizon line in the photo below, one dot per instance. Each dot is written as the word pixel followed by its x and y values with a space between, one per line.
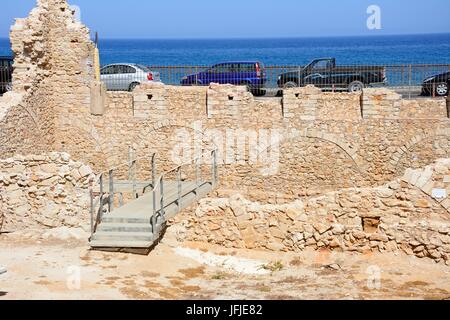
pixel 271 37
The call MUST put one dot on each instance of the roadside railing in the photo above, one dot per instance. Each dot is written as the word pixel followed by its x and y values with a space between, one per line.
pixel 5 79
pixel 407 78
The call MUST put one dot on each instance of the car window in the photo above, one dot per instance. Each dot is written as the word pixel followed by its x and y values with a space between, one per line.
pixel 323 64
pixel 108 70
pixel 5 63
pixel 221 68
pixel 128 69
pixel 247 67
pixel 120 69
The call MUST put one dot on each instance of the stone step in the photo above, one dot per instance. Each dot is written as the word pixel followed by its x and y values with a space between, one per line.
pixel 124 227
pixel 121 244
pixel 128 236
pixel 125 220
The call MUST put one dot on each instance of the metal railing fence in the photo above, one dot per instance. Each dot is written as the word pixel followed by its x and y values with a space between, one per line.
pixel 5 78
pixel 271 79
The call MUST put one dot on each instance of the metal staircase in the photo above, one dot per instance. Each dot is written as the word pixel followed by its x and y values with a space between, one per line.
pixel 132 213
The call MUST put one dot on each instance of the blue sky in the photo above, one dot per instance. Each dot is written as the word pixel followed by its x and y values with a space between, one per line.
pixel 246 18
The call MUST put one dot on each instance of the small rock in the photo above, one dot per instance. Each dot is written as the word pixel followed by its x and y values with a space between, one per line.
pixel 274 246
pixel 321 228
pixel 378 237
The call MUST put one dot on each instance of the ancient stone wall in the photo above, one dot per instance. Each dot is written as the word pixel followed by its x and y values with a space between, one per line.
pixel 310 104
pixel 318 142
pixel 307 143
pixel 411 214
pixel 53 74
pixel 43 191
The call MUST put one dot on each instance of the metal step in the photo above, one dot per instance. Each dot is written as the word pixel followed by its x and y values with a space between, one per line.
pixel 116 219
pixel 130 225
pixel 129 236
pixel 124 227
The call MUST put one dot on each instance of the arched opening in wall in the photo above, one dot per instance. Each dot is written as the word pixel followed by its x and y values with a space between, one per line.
pixel 423 153
pixel 306 167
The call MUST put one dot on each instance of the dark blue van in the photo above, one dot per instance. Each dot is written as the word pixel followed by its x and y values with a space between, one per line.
pixel 249 73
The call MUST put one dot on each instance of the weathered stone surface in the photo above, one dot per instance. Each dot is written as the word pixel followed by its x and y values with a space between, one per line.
pixel 56 198
pixel 407 220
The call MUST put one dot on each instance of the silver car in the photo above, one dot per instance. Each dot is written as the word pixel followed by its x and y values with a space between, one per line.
pixel 126 76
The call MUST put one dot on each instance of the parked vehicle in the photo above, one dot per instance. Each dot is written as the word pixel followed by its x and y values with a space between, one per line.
pixel 249 73
pixel 437 85
pixel 324 73
pixel 6 69
pixel 125 77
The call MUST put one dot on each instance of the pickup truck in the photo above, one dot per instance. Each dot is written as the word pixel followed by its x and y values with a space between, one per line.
pixel 324 73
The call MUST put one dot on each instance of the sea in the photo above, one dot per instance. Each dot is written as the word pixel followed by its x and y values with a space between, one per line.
pixel 400 49
pixel 366 50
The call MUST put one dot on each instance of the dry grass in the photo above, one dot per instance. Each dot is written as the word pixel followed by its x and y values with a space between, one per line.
pixel 273 267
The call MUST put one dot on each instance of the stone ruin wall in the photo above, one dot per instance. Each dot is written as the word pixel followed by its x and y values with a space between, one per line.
pixel 403 215
pixel 330 141
pixel 43 191
pixel 51 81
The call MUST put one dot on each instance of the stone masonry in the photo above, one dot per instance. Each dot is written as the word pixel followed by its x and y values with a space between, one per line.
pixel 44 191
pixel 331 151
pixel 401 215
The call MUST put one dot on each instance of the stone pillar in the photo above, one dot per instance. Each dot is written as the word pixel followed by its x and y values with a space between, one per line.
pixel 301 103
pixel 227 101
pixel 98 98
pixel 381 104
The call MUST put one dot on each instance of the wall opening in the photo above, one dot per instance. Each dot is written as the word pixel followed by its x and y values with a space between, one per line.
pixel 370 225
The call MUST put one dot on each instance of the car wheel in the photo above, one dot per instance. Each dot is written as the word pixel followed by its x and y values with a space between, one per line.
pixel 442 89
pixel 259 92
pixel 356 86
pixel 133 86
pixel 8 87
pixel 290 84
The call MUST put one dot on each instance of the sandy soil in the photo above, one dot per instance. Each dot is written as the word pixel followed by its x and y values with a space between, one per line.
pixel 53 268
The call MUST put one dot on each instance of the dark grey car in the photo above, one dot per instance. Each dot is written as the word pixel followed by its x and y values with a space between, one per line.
pixel 126 76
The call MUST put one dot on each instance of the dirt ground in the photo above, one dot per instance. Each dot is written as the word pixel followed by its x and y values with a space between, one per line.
pixel 51 268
